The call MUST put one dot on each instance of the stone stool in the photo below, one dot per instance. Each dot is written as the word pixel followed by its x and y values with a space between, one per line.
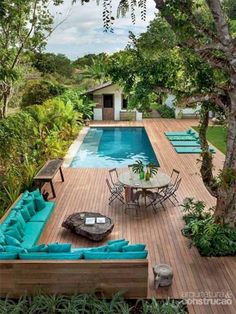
pixel 163 275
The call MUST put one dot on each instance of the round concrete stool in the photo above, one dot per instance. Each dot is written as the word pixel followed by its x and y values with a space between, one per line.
pixel 163 275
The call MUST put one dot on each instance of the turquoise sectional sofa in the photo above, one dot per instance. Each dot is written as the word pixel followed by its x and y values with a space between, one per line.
pixel 22 228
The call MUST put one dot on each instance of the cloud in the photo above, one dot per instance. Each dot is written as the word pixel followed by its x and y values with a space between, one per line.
pixel 82 33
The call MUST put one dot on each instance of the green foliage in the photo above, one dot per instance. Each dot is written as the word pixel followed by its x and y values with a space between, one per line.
pixel 210 238
pixel 79 102
pixel 88 304
pixel 24 27
pixel 166 111
pixel 29 138
pixel 37 92
pixel 50 63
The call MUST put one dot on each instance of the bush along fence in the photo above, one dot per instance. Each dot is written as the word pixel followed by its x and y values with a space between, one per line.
pixel 29 138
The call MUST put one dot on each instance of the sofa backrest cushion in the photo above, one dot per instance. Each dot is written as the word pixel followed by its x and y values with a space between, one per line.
pixel 114 241
pixel 59 247
pixel 115 255
pixel 11 241
pixel 38 248
pixel 117 247
pixel 134 247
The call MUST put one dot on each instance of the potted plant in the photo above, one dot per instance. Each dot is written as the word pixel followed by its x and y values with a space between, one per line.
pixel 138 167
pixel 153 169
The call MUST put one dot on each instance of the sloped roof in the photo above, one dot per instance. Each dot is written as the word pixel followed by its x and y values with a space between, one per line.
pixel 101 86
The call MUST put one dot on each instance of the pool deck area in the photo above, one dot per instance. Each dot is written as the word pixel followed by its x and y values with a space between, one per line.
pixel 85 190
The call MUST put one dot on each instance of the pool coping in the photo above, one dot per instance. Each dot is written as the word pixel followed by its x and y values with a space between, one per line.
pixel 74 147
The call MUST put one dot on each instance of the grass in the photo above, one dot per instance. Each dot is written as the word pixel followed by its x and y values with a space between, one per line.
pixel 89 304
pixel 216 135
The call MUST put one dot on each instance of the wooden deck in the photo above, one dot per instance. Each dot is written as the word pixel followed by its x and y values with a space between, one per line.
pixel 85 189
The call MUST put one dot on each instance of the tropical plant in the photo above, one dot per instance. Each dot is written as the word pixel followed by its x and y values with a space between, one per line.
pixel 138 166
pixel 153 168
pixel 210 238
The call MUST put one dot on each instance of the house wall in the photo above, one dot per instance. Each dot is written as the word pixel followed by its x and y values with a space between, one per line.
pixel 117 91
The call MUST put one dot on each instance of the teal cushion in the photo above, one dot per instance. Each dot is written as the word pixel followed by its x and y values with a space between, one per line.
pixel 117 247
pixel 2 248
pixel 13 232
pixel 9 216
pixel 18 217
pixel 8 256
pixel 25 214
pixel 59 247
pixel 40 202
pixel 16 223
pixel 14 249
pixel 33 231
pixel 51 256
pixel 115 241
pixel 12 241
pixel 36 193
pixel 134 248
pixel 2 238
pixel 115 255
pixel 38 248
pixel 45 213
pixel 30 205
pixel 92 249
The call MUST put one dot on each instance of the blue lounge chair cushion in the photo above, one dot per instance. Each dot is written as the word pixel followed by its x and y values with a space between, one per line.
pixel 8 255
pixel 44 214
pixel 182 138
pixel 186 143
pixel 191 150
pixel 188 132
pixel 115 255
pixel 134 247
pixel 33 231
pixel 59 247
pixel 51 256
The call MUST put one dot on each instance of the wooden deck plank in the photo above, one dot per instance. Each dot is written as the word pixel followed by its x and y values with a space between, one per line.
pixel 85 190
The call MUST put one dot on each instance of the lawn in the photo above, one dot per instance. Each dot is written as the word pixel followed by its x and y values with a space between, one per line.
pixel 216 135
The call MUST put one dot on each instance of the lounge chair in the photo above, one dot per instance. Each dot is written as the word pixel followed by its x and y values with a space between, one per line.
pixel 179 133
pixel 191 150
pixel 186 143
pixel 182 137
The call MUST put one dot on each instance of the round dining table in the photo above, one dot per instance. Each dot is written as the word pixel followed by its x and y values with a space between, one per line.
pixel 131 180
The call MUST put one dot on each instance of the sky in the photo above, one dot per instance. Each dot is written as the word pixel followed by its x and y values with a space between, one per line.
pixel 82 32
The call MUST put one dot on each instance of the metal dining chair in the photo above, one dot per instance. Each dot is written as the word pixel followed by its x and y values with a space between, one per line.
pixel 113 174
pixel 159 198
pixel 115 193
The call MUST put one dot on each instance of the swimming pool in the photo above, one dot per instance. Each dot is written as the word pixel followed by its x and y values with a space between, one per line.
pixel 114 147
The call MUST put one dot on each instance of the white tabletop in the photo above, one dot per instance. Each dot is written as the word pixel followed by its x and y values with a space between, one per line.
pixel 131 179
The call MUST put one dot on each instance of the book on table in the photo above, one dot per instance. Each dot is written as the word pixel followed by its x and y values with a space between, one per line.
pixel 100 220
pixel 90 221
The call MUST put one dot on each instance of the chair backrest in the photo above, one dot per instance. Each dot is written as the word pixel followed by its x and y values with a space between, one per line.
pixel 174 176
pixel 113 175
pixel 177 185
pixel 109 185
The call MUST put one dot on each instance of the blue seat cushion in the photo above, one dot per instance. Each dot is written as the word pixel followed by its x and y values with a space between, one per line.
pixel 51 256
pixel 33 231
pixel 8 255
pixel 44 214
pixel 115 255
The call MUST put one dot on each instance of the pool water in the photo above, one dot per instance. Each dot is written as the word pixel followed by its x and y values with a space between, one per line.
pixel 114 147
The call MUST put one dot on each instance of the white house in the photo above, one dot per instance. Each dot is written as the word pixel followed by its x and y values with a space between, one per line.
pixel 111 103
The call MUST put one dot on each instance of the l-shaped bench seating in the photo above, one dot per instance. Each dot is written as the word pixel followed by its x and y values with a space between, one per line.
pixel 121 266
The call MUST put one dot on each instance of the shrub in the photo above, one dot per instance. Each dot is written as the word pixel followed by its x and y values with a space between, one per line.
pixel 28 139
pixel 166 111
pixel 37 92
pixel 210 238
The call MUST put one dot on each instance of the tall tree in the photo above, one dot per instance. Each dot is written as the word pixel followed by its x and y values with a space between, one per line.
pixel 202 28
pixel 24 27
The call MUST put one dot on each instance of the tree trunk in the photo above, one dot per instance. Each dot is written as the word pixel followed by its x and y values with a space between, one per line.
pixel 6 96
pixel 226 200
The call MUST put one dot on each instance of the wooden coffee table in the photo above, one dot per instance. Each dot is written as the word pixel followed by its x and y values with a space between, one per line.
pixel 96 232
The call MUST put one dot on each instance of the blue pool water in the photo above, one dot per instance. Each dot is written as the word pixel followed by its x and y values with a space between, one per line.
pixel 114 147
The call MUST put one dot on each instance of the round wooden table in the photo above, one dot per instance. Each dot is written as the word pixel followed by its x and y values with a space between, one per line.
pixel 158 181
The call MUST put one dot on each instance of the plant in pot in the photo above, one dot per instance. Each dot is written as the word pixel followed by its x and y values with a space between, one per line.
pixel 153 169
pixel 138 167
